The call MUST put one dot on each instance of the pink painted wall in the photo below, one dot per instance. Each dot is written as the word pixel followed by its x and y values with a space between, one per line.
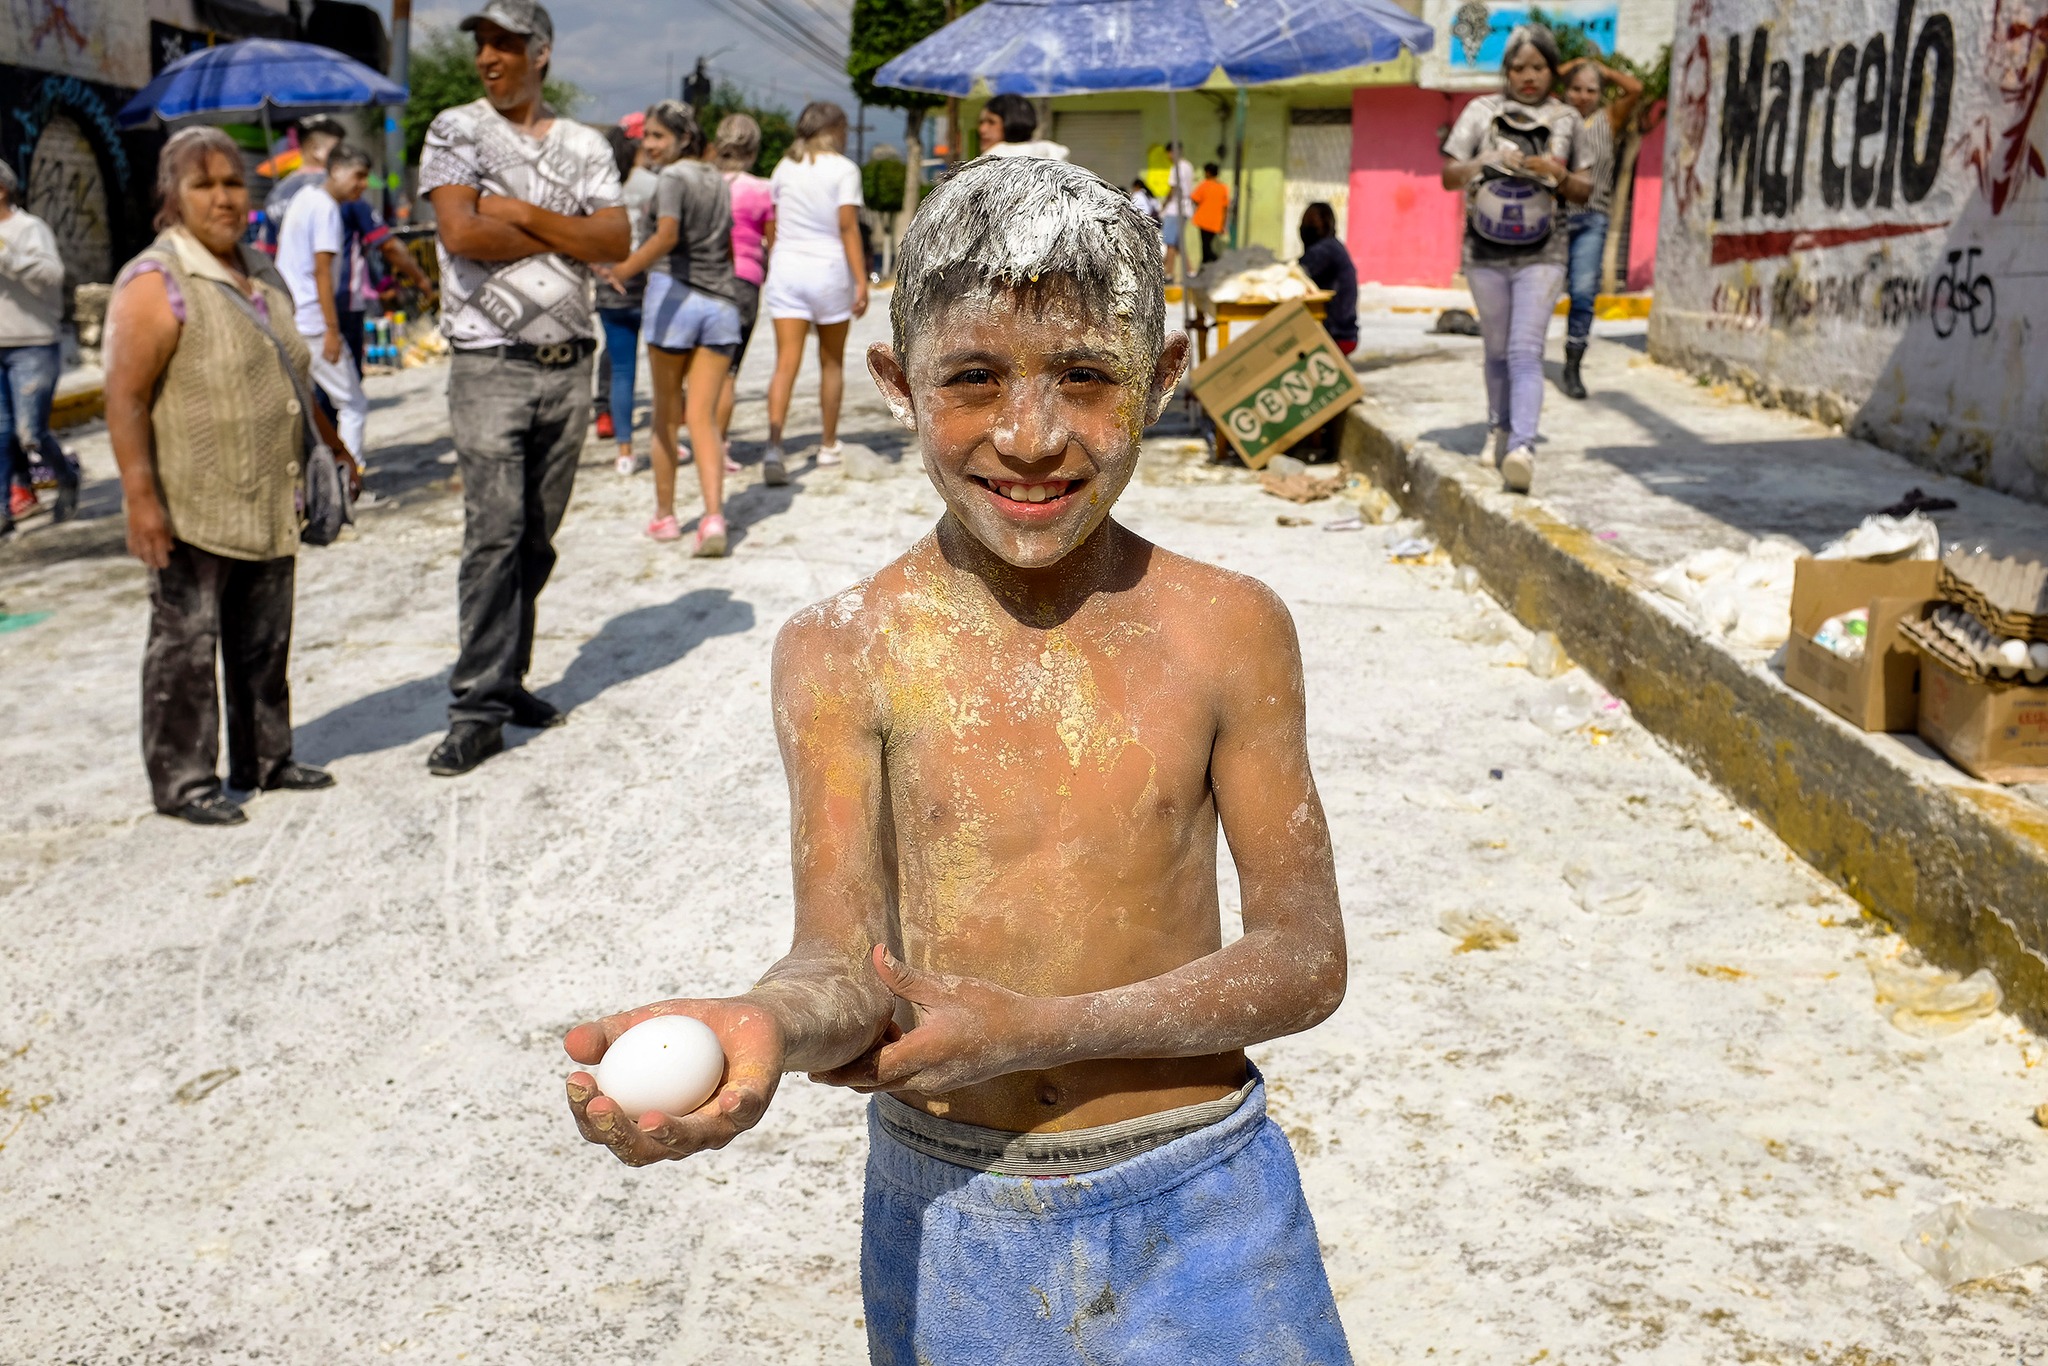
pixel 1642 230
pixel 1404 227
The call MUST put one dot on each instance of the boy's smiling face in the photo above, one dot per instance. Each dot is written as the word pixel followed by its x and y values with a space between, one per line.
pixel 1029 414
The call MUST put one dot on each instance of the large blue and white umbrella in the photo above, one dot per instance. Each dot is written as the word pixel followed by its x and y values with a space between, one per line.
pixel 1074 47
pixel 257 78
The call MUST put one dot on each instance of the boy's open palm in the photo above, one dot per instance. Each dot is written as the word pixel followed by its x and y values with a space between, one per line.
pixel 967 1031
pixel 753 1046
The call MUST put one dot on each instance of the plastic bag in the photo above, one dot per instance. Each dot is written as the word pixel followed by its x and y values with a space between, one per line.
pixel 1567 705
pixel 1885 539
pixel 1466 579
pixel 1607 893
pixel 1547 658
pixel 1744 597
pixel 1956 1243
pixel 1929 1003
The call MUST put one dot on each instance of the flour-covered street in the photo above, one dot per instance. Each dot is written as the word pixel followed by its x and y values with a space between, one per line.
pixel 292 1092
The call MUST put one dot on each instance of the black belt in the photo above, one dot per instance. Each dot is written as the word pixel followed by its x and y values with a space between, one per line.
pixel 547 353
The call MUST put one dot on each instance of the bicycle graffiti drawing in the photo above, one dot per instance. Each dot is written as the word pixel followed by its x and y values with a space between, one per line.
pixel 1960 295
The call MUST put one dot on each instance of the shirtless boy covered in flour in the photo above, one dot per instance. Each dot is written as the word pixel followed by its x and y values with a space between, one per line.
pixel 1008 753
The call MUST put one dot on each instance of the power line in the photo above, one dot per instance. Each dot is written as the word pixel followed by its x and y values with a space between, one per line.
pixel 799 44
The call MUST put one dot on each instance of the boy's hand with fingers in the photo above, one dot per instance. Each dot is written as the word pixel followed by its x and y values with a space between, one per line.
pixel 752 1039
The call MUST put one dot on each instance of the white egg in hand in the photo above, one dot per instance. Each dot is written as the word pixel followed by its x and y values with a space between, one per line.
pixel 671 1063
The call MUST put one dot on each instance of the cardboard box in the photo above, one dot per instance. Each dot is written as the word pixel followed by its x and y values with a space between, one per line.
pixel 1880 690
pixel 1994 731
pixel 1275 384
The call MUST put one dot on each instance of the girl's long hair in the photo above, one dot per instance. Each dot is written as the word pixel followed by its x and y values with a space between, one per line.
pixel 820 128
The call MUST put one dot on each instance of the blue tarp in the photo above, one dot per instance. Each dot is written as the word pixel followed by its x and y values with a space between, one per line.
pixel 1074 47
pixel 246 78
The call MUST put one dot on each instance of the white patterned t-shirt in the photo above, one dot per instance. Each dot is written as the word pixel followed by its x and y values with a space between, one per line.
pixel 537 299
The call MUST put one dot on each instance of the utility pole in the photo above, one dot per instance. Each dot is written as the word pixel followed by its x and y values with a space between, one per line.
pixel 395 207
pixel 860 135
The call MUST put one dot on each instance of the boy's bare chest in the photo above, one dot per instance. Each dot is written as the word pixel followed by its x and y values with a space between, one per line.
pixel 1093 731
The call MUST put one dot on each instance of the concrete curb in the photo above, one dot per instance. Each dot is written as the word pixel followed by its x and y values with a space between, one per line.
pixel 1959 868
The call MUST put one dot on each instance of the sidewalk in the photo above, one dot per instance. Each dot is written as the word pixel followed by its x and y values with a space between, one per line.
pixel 1653 467
pixel 81 397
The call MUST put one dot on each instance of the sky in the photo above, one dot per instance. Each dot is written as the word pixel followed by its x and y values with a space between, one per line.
pixel 620 52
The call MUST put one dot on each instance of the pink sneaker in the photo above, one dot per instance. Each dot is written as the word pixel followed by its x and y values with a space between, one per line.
pixel 666 529
pixel 732 466
pixel 710 538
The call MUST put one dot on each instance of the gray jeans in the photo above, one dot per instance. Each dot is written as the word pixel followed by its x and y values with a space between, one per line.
pixel 519 428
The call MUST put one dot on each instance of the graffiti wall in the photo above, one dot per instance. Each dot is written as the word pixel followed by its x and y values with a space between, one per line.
pixel 78 172
pixel 95 40
pixel 1471 34
pixel 1856 220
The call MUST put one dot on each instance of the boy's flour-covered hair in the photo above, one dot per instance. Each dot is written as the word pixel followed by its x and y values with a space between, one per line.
pixel 1011 223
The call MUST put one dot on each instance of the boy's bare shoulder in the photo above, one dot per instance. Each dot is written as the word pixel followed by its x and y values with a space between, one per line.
pixel 1220 605
pixel 846 626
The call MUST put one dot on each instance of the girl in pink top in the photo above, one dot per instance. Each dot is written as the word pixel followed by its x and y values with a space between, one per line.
pixel 737 144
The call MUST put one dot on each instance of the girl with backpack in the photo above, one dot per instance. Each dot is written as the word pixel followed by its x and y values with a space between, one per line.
pixel 1520 158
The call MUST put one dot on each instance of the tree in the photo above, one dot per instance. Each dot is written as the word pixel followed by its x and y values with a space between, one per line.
pixel 442 74
pixel 778 130
pixel 880 29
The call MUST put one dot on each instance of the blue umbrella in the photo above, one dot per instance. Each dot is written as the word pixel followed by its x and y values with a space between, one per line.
pixel 1073 47
pixel 256 78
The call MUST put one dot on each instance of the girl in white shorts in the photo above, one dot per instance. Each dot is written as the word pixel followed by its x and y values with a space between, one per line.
pixel 817 274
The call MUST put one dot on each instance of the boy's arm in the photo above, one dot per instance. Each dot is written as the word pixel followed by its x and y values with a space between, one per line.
pixel 593 237
pixel 1287 972
pixel 818 1006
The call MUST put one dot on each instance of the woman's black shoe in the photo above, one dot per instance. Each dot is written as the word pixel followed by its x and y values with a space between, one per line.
pixel 1573 386
pixel 212 809
pixel 468 744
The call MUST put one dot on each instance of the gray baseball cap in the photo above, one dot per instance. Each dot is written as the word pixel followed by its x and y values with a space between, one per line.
pixel 515 16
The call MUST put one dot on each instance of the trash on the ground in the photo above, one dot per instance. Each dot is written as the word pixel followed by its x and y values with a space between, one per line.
pixel 2041 1115
pixel 1572 703
pixel 1299 487
pixel 1744 597
pixel 1345 524
pixel 1477 931
pixel 1466 580
pixel 1456 322
pixel 864 463
pixel 20 621
pixel 1958 1243
pixel 1929 1003
pixel 1284 520
pixel 1607 535
pixel 1607 893
pixel 1411 550
pixel 1547 658
pixel 1376 505
pixel 1482 625
pixel 1284 465
pixel 1846 651
pixel 1885 538
pixel 1496 773
pixel 1509 654
pixel 1917 500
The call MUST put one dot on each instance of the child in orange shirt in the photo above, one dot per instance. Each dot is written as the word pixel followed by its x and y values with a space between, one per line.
pixel 1212 204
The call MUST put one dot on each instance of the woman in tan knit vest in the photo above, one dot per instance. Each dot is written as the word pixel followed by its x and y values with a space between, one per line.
pixel 209 429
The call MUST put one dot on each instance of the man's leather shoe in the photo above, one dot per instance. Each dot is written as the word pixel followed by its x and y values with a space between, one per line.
pixel 297 777
pixel 468 744
pixel 212 809
pixel 535 713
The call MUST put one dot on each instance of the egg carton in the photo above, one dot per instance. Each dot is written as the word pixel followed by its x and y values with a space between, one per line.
pixel 2010 595
pixel 1957 638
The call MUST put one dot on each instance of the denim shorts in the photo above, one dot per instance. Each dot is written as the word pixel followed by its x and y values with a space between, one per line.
pixel 677 318
pixel 1198 1250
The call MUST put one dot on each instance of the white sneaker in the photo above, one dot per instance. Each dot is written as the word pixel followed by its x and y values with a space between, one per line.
pixel 829 455
pixel 1518 470
pixel 626 465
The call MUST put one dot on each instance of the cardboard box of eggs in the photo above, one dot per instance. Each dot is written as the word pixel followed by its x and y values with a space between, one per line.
pixel 1984 688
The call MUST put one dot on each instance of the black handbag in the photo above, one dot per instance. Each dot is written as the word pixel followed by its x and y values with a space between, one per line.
pixel 329 507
